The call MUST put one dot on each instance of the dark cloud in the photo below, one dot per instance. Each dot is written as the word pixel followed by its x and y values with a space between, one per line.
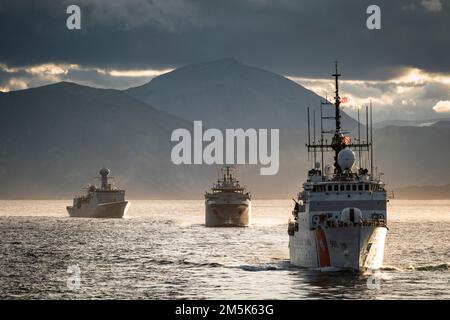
pixel 294 38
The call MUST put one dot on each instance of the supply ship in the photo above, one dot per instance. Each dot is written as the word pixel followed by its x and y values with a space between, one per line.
pixel 228 204
pixel 104 202
pixel 339 219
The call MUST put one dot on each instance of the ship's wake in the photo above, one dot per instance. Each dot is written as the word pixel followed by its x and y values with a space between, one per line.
pixel 429 267
pixel 286 266
pixel 280 266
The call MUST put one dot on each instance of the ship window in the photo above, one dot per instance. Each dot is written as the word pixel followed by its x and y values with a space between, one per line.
pixel 336 187
pixel 367 187
pixel 354 187
pixel 347 187
pixel 360 187
pixel 342 187
pixel 330 187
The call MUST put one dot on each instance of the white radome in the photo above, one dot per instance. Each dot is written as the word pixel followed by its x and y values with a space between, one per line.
pixel 346 159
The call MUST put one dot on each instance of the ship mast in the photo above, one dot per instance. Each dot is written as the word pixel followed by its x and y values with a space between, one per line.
pixel 337 100
pixel 337 142
pixel 228 174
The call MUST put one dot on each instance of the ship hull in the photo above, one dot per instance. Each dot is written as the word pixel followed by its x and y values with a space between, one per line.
pixel 104 210
pixel 357 248
pixel 227 214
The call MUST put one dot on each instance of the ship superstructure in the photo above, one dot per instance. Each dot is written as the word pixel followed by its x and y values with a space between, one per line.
pixel 227 204
pixel 339 218
pixel 105 201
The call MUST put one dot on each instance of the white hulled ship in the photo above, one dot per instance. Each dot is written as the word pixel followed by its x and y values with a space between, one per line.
pixel 339 219
pixel 104 202
pixel 228 204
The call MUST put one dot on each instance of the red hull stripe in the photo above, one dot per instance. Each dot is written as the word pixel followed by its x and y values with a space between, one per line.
pixel 322 248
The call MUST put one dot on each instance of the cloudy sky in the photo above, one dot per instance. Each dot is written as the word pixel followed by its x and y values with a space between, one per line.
pixel 404 67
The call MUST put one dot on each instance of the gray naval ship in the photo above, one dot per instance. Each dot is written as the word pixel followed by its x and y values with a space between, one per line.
pixel 340 216
pixel 103 202
pixel 228 204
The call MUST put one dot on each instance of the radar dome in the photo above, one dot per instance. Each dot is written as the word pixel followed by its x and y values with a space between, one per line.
pixel 346 159
pixel 104 171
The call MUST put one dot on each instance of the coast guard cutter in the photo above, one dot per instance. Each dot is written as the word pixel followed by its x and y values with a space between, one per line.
pixel 339 219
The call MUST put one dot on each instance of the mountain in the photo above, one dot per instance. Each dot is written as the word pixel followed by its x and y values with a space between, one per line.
pixel 442 124
pixel 228 94
pixel 412 123
pixel 55 138
pixel 413 155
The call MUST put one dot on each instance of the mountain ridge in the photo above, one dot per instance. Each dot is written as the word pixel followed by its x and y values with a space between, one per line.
pixel 226 91
pixel 55 137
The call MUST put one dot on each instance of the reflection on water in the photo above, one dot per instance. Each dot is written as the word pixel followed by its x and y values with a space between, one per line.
pixel 162 250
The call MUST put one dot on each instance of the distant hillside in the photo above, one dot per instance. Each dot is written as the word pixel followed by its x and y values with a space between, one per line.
pixel 413 155
pixel 55 138
pixel 413 123
pixel 423 193
pixel 442 124
pixel 228 94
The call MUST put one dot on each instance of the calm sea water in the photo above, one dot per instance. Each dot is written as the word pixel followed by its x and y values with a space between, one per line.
pixel 163 251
